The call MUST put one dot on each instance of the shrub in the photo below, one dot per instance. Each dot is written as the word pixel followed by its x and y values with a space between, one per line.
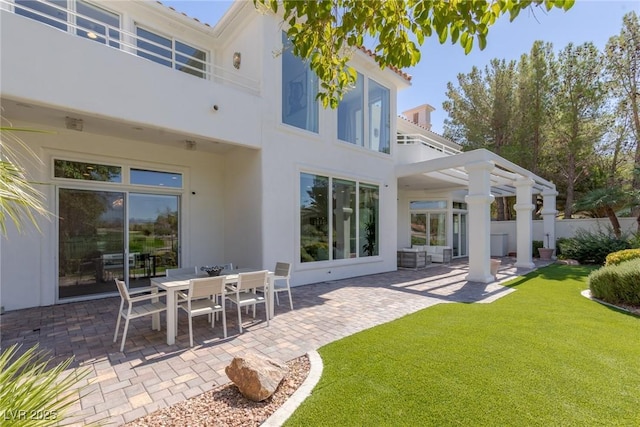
pixel 559 242
pixel 617 284
pixel 616 258
pixel 32 393
pixel 536 244
pixel 592 248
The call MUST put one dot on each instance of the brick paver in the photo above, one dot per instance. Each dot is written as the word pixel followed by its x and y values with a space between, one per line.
pixel 150 374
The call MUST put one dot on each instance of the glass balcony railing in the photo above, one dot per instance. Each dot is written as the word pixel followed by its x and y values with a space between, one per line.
pixel 417 139
pixel 103 26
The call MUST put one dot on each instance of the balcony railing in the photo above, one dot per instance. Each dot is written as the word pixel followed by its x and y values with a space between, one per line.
pixel 413 139
pixel 178 55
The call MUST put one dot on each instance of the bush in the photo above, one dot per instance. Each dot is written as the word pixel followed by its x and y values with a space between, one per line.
pixel 616 258
pixel 617 284
pixel 536 244
pixel 559 242
pixel 591 248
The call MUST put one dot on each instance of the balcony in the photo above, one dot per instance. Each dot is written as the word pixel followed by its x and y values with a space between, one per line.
pixel 63 59
pixel 414 148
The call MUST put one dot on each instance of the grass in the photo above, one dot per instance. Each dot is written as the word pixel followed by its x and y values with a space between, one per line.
pixel 543 355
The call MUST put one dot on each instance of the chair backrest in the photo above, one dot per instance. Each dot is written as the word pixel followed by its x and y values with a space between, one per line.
pixel 178 271
pixel 255 279
pixel 283 269
pixel 122 289
pixel 205 287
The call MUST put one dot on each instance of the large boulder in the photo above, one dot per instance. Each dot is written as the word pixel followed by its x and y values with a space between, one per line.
pixel 256 376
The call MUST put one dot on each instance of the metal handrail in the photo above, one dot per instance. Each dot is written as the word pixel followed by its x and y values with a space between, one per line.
pixel 415 138
pixel 127 42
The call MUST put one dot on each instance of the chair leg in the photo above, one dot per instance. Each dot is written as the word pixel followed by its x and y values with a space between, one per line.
pixel 190 330
pixel 115 336
pixel 290 299
pixel 277 298
pixel 124 334
pixel 224 322
pixel 240 318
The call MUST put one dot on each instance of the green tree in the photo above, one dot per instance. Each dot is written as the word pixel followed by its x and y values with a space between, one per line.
pixel 622 59
pixel 327 32
pixel 578 116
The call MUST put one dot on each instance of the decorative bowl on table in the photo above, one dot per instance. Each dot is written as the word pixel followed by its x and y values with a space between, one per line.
pixel 212 271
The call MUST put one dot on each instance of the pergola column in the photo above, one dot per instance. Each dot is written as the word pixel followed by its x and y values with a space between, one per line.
pixel 479 202
pixel 524 226
pixel 549 213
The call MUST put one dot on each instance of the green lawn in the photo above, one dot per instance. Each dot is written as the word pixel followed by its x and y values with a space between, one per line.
pixel 541 356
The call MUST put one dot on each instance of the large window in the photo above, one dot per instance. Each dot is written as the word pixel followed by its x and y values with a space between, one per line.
pixel 98 24
pixel 299 89
pixel 171 53
pixel 351 116
pixel 50 12
pixel 338 225
pixel 350 119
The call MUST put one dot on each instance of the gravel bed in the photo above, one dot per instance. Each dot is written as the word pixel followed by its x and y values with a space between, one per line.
pixel 225 405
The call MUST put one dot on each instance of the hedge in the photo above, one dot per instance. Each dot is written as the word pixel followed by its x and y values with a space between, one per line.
pixel 616 258
pixel 617 283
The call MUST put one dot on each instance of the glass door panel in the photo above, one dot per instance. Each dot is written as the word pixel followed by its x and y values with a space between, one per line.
pixel 418 229
pixel 456 234
pixel 153 236
pixel 437 230
pixel 463 235
pixel 90 242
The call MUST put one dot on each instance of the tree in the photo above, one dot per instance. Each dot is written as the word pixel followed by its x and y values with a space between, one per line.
pixel 327 32
pixel 578 115
pixel 622 59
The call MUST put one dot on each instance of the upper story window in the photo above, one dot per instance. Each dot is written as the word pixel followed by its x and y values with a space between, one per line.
pixel 171 53
pixel 299 89
pixel 351 116
pixel 97 24
pixel 50 12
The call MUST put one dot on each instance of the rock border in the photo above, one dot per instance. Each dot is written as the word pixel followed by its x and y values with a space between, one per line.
pixel 283 413
pixel 587 294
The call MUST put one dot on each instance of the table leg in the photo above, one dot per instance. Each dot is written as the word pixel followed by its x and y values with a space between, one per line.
pixel 171 317
pixel 155 318
pixel 271 301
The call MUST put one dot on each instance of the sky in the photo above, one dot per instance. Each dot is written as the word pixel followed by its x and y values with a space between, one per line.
pixel 587 21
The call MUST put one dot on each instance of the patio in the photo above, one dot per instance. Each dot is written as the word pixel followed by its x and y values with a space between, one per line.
pixel 151 375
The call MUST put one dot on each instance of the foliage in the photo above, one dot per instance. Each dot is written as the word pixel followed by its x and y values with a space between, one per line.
pixel 616 258
pixel 592 248
pixel 484 363
pixel 20 200
pixel 560 242
pixel 536 244
pixel 606 201
pixel 327 32
pixel 33 394
pixel 617 284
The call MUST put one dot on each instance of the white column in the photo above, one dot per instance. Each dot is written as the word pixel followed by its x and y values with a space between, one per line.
pixel 478 203
pixel 524 226
pixel 549 213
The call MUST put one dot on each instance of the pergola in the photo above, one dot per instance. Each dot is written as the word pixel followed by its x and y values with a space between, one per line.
pixel 486 175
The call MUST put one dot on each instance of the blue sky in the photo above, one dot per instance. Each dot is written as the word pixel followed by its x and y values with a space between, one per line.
pixel 588 20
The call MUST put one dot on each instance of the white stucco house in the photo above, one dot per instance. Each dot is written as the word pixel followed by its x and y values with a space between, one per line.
pixel 169 142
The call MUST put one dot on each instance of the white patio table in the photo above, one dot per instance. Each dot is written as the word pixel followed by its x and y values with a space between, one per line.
pixel 173 284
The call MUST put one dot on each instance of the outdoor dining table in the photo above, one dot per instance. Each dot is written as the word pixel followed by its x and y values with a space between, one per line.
pixel 180 282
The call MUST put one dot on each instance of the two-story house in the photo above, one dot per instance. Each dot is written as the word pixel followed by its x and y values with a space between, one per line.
pixel 167 142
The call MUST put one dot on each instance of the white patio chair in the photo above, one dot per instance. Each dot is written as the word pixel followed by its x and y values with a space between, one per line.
pixel 243 293
pixel 133 310
pixel 170 272
pixel 281 277
pixel 202 298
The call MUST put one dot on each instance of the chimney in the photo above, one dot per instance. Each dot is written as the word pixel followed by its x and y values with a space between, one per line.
pixel 420 116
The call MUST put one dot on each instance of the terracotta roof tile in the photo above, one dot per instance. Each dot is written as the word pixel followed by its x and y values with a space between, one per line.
pixel 397 70
pixel 183 14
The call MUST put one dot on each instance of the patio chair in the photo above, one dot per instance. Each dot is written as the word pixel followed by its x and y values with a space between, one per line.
pixel 178 271
pixel 281 277
pixel 243 293
pixel 202 298
pixel 147 307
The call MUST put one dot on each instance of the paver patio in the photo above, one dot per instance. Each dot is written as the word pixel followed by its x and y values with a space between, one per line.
pixel 151 375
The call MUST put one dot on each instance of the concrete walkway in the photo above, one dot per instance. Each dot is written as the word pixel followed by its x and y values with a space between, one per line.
pixel 151 375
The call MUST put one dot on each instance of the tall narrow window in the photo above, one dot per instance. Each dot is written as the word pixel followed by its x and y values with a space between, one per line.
pixel 369 220
pixel 98 24
pixel 314 218
pixel 50 12
pixel 379 118
pixel 299 89
pixel 344 219
pixel 350 117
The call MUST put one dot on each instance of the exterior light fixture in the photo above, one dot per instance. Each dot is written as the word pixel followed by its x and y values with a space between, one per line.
pixel 92 35
pixel 237 59
pixel 74 124
pixel 190 145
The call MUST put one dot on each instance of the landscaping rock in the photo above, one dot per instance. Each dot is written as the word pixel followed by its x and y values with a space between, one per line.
pixel 257 377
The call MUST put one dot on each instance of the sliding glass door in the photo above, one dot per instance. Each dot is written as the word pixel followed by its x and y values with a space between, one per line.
pixel 428 228
pixel 93 228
